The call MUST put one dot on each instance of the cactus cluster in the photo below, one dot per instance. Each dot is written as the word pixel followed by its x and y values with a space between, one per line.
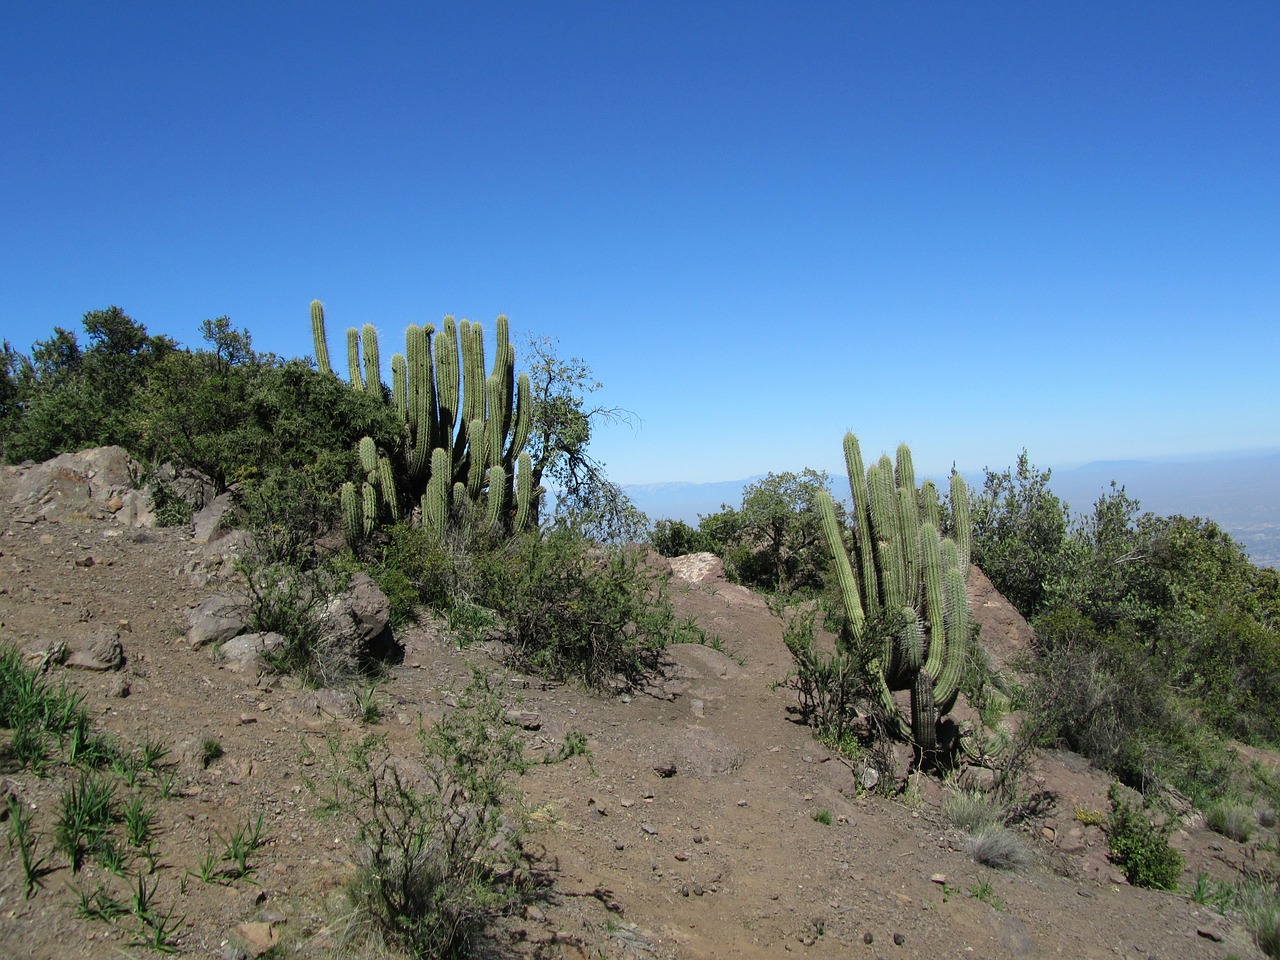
pixel 902 584
pixel 464 433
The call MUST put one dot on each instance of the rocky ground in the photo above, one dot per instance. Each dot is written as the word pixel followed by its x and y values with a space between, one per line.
pixel 691 831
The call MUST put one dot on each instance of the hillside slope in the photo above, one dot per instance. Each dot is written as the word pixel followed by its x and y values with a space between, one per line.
pixel 721 858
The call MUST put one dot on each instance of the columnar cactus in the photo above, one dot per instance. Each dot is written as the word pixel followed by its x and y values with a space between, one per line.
pixel 464 433
pixel 903 587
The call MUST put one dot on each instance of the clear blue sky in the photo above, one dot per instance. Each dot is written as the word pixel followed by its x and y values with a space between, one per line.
pixel 970 226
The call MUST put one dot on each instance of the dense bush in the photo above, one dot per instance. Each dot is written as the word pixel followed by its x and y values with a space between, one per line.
pixel 773 541
pixel 675 538
pixel 1019 527
pixel 1141 848
pixel 66 397
pixel 570 608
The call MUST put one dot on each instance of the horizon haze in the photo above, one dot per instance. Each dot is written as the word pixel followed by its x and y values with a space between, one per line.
pixel 1240 493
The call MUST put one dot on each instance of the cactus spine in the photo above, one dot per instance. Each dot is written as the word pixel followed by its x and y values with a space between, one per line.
pixel 463 430
pixel 903 579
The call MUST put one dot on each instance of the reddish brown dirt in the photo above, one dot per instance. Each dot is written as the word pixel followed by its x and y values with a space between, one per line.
pixel 723 859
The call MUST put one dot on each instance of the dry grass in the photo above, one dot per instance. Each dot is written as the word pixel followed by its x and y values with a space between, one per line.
pixel 998 847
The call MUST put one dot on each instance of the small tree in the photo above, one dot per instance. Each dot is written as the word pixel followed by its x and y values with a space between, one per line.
pixel 559 435
pixel 1019 527
pixel 775 540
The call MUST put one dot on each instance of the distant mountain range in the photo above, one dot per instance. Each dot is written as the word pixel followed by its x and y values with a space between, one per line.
pixel 1240 493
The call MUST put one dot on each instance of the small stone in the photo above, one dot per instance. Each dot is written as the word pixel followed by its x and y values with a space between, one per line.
pixel 682 857
pixel 899 939
pixel 649 828
pixel 697 890
pixel 684 891
pixel 665 770
pixel 938 878
pixel 258 937
pixel 525 719
pixel 1209 934
pixel 868 938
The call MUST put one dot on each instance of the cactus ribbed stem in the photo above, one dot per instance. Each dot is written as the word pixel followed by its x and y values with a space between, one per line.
pixel 961 524
pixel 935 598
pixel 368 451
pixel 372 361
pixel 497 506
pixel 862 521
pixel 525 494
pixel 318 335
pixel 477 464
pixel 900 564
pixel 457 423
pixel 848 584
pixel 370 504
pixel 387 487
pixel 353 358
pixel 400 385
pixel 435 507
pixel 352 515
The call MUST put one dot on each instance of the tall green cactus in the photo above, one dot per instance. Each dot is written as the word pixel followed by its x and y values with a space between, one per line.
pixel 903 587
pixel 464 432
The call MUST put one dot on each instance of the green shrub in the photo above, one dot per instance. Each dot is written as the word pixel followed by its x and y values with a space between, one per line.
pixel 417 567
pixel 286 600
pixel 675 538
pixel 1141 848
pixel 831 686
pixel 570 608
pixel 438 850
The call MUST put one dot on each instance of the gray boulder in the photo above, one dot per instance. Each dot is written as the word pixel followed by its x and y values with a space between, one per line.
pixel 98 651
pixel 217 620
pixel 357 621
pixel 92 483
pixel 247 653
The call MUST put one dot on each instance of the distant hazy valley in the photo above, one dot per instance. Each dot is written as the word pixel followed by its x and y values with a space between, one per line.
pixel 1241 493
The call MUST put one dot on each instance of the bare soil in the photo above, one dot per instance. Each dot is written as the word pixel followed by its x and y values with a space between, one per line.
pixel 724 857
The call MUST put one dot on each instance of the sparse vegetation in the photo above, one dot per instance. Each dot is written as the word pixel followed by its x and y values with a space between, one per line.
pixel 983 890
pixel 437 857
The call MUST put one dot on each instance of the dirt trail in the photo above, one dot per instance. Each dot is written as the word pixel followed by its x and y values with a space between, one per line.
pixel 689 833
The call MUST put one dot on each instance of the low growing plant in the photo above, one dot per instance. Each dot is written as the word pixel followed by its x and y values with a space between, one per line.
pixel 25 840
pixel 1140 847
pixel 1232 820
pixel 435 849
pixel 998 847
pixel 971 810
